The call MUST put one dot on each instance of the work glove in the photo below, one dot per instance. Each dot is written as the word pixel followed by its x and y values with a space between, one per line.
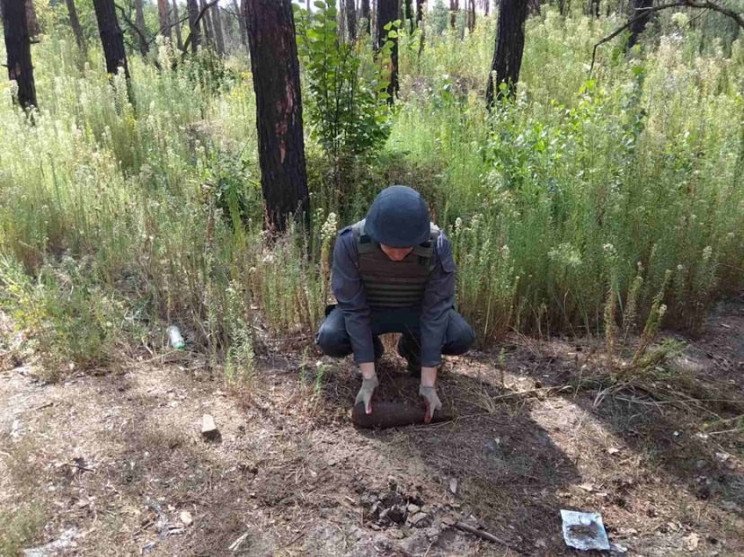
pixel 432 402
pixel 365 393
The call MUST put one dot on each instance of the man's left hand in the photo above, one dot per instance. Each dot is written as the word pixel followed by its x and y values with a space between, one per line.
pixel 432 402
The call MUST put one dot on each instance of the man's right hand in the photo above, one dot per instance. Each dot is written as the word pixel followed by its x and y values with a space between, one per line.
pixel 369 384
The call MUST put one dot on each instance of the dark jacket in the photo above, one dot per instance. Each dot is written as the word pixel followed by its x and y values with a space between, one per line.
pixel 439 298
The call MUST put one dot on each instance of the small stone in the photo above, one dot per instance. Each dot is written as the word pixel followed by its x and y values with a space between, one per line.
pixel 419 519
pixel 587 487
pixel 413 509
pixel 449 520
pixel 392 483
pixel 209 429
pixel 730 506
pixel 186 518
pixel 397 534
pixel 692 541
pixel 453 486
pixel 613 450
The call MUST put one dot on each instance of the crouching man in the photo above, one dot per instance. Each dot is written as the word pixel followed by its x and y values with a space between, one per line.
pixel 393 272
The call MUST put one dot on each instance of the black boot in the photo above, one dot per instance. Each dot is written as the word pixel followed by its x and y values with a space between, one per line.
pixel 409 348
pixel 379 348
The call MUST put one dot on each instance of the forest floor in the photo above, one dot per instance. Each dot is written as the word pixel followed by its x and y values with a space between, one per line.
pixel 115 464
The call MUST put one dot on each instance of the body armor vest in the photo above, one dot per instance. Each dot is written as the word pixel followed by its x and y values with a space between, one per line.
pixel 389 283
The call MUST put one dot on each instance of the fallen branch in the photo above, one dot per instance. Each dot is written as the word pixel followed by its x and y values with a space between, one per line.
pixel 707 5
pixel 484 535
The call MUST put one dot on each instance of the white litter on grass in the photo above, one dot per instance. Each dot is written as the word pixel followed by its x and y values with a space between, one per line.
pixel 584 531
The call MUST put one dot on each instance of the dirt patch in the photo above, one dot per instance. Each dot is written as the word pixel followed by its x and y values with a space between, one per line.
pixel 119 460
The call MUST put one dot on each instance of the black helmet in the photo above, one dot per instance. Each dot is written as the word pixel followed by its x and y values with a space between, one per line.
pixel 398 218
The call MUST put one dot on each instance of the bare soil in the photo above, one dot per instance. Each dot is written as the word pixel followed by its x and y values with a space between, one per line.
pixel 116 462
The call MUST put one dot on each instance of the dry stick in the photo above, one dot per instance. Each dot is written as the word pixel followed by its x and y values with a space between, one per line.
pixel 707 5
pixel 484 535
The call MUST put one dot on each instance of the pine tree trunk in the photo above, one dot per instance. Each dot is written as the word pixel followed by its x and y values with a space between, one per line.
pixel 112 39
pixel 139 22
pixel 163 18
pixel 341 20
pixel 471 15
pixel 18 50
pixel 594 8
pixel 177 25
pixel 486 7
pixel 351 22
pixel 208 36
pixel 366 15
pixel 420 9
pixel 241 23
pixel 387 12
pixel 218 32
pixel 276 82
pixel 507 57
pixel 77 30
pixel 31 19
pixel 409 17
pixel 454 8
pixel 194 37
pixel 639 26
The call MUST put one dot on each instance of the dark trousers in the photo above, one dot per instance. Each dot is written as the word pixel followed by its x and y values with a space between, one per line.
pixel 334 340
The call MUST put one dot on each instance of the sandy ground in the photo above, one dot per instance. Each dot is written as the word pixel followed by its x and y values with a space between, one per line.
pixel 116 464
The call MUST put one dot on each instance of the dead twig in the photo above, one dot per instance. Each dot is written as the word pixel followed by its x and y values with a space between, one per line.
pixel 734 430
pixel 484 535
pixel 235 546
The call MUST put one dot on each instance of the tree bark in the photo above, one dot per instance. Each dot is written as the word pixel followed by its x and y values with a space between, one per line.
pixel 387 12
pixel 31 19
pixel 486 7
pixel 454 9
pixel 163 18
pixel 241 23
pixel 276 82
pixel 208 36
pixel 638 26
pixel 112 39
pixel 594 8
pixel 507 57
pixel 420 9
pixel 366 14
pixel 194 24
pixel 471 15
pixel 217 26
pixel 18 51
pixel 77 29
pixel 139 22
pixel 351 22
pixel 409 16
pixel 177 25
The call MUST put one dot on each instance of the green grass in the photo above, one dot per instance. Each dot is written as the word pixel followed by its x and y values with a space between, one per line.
pixel 117 219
